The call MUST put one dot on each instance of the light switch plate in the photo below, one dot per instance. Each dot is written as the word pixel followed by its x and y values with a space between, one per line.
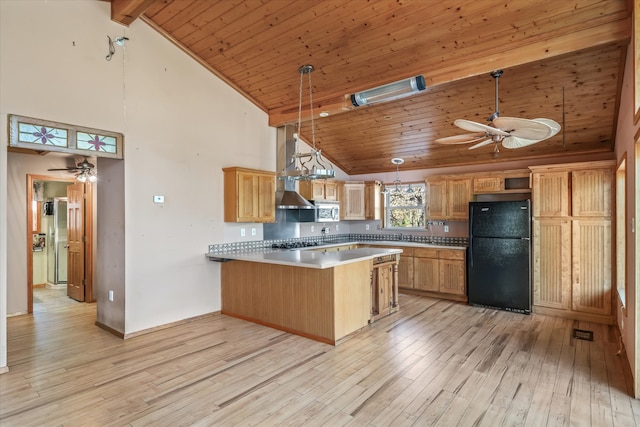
pixel 253 231
pixel 242 232
pixel 446 228
pixel 158 199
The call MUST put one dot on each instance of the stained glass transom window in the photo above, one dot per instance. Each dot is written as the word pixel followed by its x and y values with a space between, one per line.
pixel 45 135
pixel 96 142
pixel 36 134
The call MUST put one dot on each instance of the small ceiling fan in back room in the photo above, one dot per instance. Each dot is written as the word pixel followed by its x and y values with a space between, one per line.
pixel 512 132
pixel 85 171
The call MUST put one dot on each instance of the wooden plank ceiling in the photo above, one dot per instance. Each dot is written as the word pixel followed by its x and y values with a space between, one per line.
pixel 562 60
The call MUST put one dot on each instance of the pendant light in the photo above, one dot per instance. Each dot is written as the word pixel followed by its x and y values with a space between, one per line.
pixel 308 166
pixel 397 161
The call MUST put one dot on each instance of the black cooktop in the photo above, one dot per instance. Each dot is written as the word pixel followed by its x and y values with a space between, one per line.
pixel 293 245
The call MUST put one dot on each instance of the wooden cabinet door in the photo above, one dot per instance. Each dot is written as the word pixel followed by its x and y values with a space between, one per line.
pixel 331 191
pixel 247 197
pixel 552 263
pixel 458 197
pixel 436 198
pixel 488 185
pixel 354 201
pixel 372 202
pixel 425 274
pixel 451 275
pixel 405 271
pixel 266 198
pixel 550 194
pixel 592 192
pixel 591 264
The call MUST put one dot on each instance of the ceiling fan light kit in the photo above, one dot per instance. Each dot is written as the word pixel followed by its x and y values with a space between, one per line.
pixel 512 132
pixel 389 92
pixel 85 171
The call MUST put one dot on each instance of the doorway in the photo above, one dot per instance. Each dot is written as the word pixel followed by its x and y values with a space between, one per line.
pixel 47 211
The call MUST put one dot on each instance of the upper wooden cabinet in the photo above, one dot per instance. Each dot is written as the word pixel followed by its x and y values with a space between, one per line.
pixel 448 198
pixel 550 194
pixel 494 184
pixel 319 189
pixel 575 189
pixel 249 195
pixel 361 200
pixel 353 201
pixel 592 192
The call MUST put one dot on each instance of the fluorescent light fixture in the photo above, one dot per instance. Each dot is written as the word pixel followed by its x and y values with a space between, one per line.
pixel 389 92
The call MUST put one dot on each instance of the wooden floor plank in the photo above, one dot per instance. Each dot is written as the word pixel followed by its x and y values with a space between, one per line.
pixel 434 362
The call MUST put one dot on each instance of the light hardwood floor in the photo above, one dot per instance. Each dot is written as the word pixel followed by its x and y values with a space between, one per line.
pixel 435 362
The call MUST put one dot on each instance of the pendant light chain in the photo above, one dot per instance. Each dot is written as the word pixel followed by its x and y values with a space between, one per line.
pixel 313 127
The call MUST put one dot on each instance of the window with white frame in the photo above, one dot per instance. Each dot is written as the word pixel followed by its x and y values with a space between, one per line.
pixel 404 207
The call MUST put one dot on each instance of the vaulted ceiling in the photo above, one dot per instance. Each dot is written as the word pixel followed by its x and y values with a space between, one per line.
pixel 562 60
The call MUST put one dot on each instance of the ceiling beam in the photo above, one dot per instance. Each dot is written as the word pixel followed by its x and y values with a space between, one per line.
pixel 126 11
pixel 482 62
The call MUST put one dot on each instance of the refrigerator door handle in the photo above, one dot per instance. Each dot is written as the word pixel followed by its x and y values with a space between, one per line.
pixel 471 252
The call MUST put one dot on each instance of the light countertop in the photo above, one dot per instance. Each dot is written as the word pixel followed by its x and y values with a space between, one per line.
pixel 305 258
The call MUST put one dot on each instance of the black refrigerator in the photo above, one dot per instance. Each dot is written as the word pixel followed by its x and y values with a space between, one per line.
pixel 499 261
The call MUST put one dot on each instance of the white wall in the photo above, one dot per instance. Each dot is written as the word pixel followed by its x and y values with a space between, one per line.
pixel 181 125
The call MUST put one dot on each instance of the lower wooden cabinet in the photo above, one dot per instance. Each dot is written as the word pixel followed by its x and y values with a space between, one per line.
pixel 425 270
pixel 572 267
pixel 439 272
pixel 452 272
pixel 591 266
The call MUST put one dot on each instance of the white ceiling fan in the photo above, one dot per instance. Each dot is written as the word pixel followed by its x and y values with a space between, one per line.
pixel 512 132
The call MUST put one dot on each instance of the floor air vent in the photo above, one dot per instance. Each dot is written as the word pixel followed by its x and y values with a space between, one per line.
pixel 581 334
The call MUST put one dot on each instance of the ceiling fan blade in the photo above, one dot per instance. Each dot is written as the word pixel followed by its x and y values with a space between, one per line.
pixel 69 169
pixel 517 142
pixel 481 144
pixel 523 128
pixel 461 139
pixel 470 126
pixel 555 127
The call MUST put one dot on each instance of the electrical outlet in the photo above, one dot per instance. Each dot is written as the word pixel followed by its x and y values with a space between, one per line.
pixel 158 199
pixel 111 296
pixel 366 227
pixel 253 231
pixel 242 232
pixel 446 228
pixel 312 228
pixel 337 227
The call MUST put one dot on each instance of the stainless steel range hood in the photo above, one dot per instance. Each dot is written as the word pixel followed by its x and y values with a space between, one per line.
pixel 286 195
pixel 291 207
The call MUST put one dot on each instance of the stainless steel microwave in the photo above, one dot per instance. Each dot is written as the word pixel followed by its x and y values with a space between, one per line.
pixel 327 211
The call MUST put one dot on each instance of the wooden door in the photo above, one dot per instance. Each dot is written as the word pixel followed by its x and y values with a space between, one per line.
pixel 75 240
pixel 552 263
pixel 458 198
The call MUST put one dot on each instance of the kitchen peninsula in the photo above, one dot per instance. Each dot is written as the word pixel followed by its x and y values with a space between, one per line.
pixel 322 295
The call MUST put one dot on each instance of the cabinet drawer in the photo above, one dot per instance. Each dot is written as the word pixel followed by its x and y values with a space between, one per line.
pixel 450 254
pixel 425 252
